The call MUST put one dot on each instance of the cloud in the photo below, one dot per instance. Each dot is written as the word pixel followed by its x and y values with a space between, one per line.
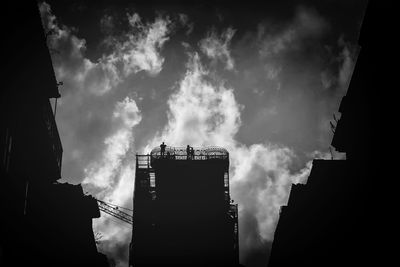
pixel 99 142
pixel 272 71
pixel 338 74
pixel 204 111
pixel 200 112
pixel 102 173
pixel 69 59
pixel 107 24
pixel 261 183
pixel 141 50
pixel 307 24
pixel 110 178
pixel 184 20
pixel 116 235
pixel 217 47
pixel 346 59
pixel 136 50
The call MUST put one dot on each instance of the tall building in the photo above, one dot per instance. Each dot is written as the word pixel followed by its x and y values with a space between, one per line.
pixel 43 222
pixel 327 222
pixel 30 146
pixel 183 213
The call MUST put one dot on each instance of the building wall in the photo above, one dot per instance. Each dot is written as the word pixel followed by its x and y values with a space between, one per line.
pixel 186 221
pixel 43 223
pixel 327 222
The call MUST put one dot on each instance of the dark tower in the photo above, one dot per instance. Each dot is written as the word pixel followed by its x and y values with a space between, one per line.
pixel 182 209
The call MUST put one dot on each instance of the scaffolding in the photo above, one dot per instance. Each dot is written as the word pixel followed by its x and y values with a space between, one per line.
pixel 181 153
pixel 157 177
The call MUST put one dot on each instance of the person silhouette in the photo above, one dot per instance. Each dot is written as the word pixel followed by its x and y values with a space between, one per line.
pixel 162 146
pixel 187 151
pixel 191 153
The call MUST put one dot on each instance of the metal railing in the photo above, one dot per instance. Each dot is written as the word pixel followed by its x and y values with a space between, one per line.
pixel 195 153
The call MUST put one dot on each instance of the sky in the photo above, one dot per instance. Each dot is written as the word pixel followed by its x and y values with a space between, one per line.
pixel 263 81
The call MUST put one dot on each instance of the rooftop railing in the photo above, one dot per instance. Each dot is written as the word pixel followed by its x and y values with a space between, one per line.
pixel 191 153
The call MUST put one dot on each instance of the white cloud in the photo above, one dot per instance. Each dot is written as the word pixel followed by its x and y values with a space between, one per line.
pixel 103 172
pixel 204 112
pixel 112 177
pixel 200 112
pixel 69 59
pixel 107 169
pixel 139 51
pixel 217 47
pixel 261 183
pixel 116 234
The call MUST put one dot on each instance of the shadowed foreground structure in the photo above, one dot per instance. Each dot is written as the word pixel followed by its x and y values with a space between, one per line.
pixel 326 221
pixel 182 209
pixel 43 222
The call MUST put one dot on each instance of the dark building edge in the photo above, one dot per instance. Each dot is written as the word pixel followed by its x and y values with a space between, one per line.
pixel 149 238
pixel 43 222
pixel 333 220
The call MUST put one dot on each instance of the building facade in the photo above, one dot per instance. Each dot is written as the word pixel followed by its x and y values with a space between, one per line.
pixel 43 222
pixel 183 213
pixel 328 220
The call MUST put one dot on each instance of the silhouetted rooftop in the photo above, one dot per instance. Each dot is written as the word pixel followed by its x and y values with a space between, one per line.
pixel 199 153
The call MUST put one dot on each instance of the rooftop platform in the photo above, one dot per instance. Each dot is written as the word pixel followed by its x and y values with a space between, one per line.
pixel 182 153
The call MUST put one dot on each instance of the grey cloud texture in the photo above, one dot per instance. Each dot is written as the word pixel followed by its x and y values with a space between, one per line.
pixel 102 173
pixel 184 20
pixel 204 111
pixel 139 50
pixel 200 112
pixel 217 47
pixel 100 140
pixel 307 24
pixel 100 112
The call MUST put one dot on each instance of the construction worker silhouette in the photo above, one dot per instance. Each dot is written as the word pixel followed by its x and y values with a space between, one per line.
pixel 188 152
pixel 162 146
pixel 191 153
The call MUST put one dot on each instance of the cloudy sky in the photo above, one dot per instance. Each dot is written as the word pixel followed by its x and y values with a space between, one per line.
pixel 263 81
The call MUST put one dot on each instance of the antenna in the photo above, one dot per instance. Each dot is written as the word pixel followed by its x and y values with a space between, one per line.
pixel 333 127
pixel 334 117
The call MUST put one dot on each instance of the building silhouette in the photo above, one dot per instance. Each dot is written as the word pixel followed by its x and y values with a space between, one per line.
pixel 43 222
pixel 327 221
pixel 183 213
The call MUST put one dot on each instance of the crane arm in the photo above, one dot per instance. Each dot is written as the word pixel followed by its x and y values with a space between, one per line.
pixel 115 212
